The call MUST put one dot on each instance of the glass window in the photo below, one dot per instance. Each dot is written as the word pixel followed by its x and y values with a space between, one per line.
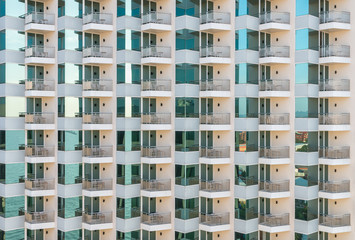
pixel 70 73
pixel 246 141
pixel 128 141
pixel 187 40
pixel 128 107
pixel 11 140
pixel 75 234
pixel 306 141
pixel 246 107
pixel 246 175
pixel 71 8
pixel 186 208
pixel 69 173
pixel 128 39
pixel 12 73
pixel 306 39
pixel 69 207
pixel 128 8
pixel 246 209
pixel 187 73
pixel 246 73
pixel 306 210
pixel 12 106
pixel 70 40
pixel 18 234
pixel 306 73
pixel 306 107
pixel 128 208
pixel 186 141
pixel 70 107
pixel 70 140
pixel 246 39
pixel 14 8
pixel 11 206
pixel 249 236
pixel 12 173
pixel 187 107
pixel 131 71
pixel 306 176
pixel 128 174
pixel 186 175
pixel 187 7
pixel 128 235
pixel 305 7
pixel 12 40
pixel 247 7
pixel 300 236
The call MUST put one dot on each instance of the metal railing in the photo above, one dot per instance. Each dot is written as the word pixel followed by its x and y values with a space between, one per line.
pixel 125 213
pixel 246 181
pixel 156 118
pixel 39 118
pixel 97 184
pixel 39 184
pixel 334 220
pixel 97 85
pixel 40 18
pixel 98 18
pixel 214 85
pixel 334 85
pixel 215 51
pixel 274 186
pixel 215 17
pixel 40 52
pixel 334 51
pixel 97 217
pixel 132 180
pixel 98 52
pixel 97 118
pixel 215 185
pixel 274 152
pixel 187 181
pixel 336 152
pixel 274 119
pixel 246 213
pixel 157 17
pixel 186 213
pixel 156 85
pixel 334 118
pixel 334 16
pixel 274 85
pixel 156 218
pixel 35 84
pixel 156 151
pixel 214 219
pixel 274 220
pixel 275 17
pixel 215 152
pixel 215 118
pixel 334 186
pixel 97 151
pixel 39 217
pixel 156 184
pixel 39 151
pixel 275 51
pixel 156 51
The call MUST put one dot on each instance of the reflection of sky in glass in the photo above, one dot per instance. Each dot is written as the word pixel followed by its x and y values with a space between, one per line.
pixel 302 39
pixel 71 140
pixel 15 105
pixel 14 138
pixel 12 207
pixel 15 73
pixel 71 40
pixel 14 40
pixel 14 8
pixel 302 73
pixel 71 8
pixel 302 7
pixel 242 39
pixel 71 73
pixel 14 172
pixel 71 106
pixel 301 107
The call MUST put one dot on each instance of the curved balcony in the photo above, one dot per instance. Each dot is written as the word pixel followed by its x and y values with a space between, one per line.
pixel 215 55
pixel 334 54
pixel 39 22
pixel 215 188
pixel 39 121
pixel 156 88
pixel 156 121
pixel 97 22
pixel 335 155
pixel 331 21
pixel 215 155
pixel 156 221
pixel 97 187
pixel 40 55
pixel 97 88
pixel 334 88
pixel 274 122
pixel 215 222
pixel 274 21
pixel 274 54
pixel 215 121
pixel 334 223
pixel 39 187
pixel 97 121
pixel 274 88
pixel 39 154
pixel 156 55
pixel 274 189
pixel 97 220
pixel 334 122
pixel 156 187
pixel 97 154
pixel 334 189
pixel 213 21
pixel 39 88
pixel 274 155
pixel 156 22
pixel 274 223
pixel 98 55
pixel 40 220
pixel 214 88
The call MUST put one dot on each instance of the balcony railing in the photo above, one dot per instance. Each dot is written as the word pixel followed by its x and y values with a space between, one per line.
pixel 334 85
pixel 40 52
pixel 215 185
pixel 131 180
pixel 246 213
pixel 334 186
pixel 98 18
pixel 186 181
pixel 274 186
pixel 275 51
pixel 334 119
pixel 274 85
pixel 274 220
pixel 334 220
pixel 338 152
pixel 128 212
pixel 40 217
pixel 39 85
pixel 39 118
pixel 40 18
pixel 39 151
pixel 274 152
pixel 97 85
pixel 215 118
pixel 214 85
pixel 156 218
pixel 156 85
pixel 215 51
pixel 156 51
pixel 156 151
pixel 334 16
pixel 274 119
pixel 156 118
pixel 97 184
pixel 97 151
pixel 98 52
pixel 186 213
pixel 157 17
pixel 334 51
pixel 97 118
pixel 154 185
pixel 97 217
pixel 275 17
pixel 215 17
pixel 215 152
pixel 39 184
pixel 246 181
pixel 214 219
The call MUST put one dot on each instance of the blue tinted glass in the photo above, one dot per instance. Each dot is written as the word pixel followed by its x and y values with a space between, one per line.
pixel 302 73
pixel 302 39
pixel 121 73
pixel 302 7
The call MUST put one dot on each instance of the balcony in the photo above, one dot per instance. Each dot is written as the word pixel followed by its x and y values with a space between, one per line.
pixel 215 122
pixel 214 88
pixel 156 55
pixel 334 122
pixel 335 155
pixel 97 154
pixel 40 220
pixel 334 88
pixel 97 121
pixel 215 155
pixel 156 121
pixel 39 22
pixel 39 121
pixel 156 22
pixel 39 88
pixel 274 54
pixel 215 188
pixel 156 88
pixel 334 54
pixel 156 154
pixel 331 21
pixel 39 55
pixel 215 222
pixel 274 21
pixel 39 154
pixel 156 187
pixel 274 88
pixel 334 189
pixel 97 22
pixel 39 187
pixel 274 189
pixel 274 223
pixel 274 122
pixel 156 221
pixel 97 220
pixel 334 223
pixel 97 88
pixel 97 187
pixel 215 55
pixel 274 155
pixel 213 22
pixel 98 55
